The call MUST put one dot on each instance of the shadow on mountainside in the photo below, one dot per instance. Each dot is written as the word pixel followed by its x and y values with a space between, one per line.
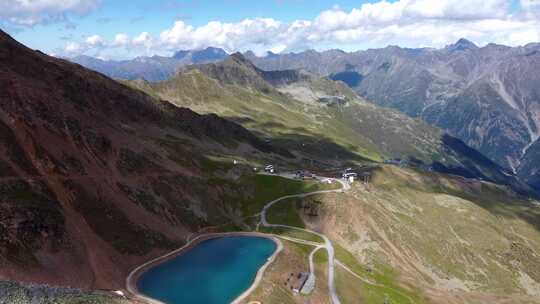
pixel 457 158
pixel 303 141
pixel 474 164
pixel 498 201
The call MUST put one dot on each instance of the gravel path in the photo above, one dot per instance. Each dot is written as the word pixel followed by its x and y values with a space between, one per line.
pixel 327 243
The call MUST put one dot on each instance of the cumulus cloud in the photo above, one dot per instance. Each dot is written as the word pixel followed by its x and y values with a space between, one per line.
pixel 121 39
pixel 230 36
pixel 528 4
pixel 143 40
pixel 95 41
pixel 451 9
pixel 531 8
pixel 32 12
pixel 404 22
pixel 73 48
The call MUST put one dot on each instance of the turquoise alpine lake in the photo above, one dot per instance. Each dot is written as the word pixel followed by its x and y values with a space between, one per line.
pixel 214 271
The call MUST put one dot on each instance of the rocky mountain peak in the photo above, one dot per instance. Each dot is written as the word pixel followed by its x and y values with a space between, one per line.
pixel 209 54
pixel 238 58
pixel 461 45
pixel 204 55
pixel 249 54
pixel 214 50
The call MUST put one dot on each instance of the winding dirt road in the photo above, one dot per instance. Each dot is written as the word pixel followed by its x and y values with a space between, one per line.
pixel 327 243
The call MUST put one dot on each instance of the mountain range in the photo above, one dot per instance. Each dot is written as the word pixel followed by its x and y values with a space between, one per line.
pixel 327 117
pixel 154 68
pixel 487 96
pixel 100 175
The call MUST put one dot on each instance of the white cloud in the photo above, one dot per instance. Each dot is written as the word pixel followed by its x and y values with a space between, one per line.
pixel 178 34
pixel 120 39
pixel 32 12
pixel 409 23
pixel 143 39
pixel 524 37
pixel 528 4
pixel 531 8
pixel 230 36
pixel 95 41
pixel 452 9
pixel 73 48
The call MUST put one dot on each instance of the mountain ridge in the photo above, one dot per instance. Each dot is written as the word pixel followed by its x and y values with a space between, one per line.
pixel 289 89
pixel 97 177
pixel 151 68
pixel 495 83
pixel 434 84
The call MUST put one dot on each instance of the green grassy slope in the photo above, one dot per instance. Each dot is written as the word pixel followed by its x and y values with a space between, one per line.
pixel 282 119
pixel 425 233
pixel 355 131
pixel 323 122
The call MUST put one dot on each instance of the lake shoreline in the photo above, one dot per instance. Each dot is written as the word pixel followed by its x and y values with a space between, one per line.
pixel 134 276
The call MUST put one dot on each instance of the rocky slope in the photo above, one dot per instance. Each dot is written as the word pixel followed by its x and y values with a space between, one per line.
pixel 152 68
pixel 96 177
pixel 320 119
pixel 487 96
pixel 15 293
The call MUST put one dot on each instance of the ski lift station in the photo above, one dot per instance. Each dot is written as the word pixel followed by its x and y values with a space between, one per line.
pixel 269 169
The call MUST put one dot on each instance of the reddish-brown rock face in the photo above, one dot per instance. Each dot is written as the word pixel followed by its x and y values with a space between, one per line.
pixel 94 176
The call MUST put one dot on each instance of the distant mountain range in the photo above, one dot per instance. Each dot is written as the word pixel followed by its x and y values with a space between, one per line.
pixel 332 123
pixel 487 96
pixel 154 68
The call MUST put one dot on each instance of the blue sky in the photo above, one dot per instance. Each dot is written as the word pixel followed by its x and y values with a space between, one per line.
pixel 122 29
